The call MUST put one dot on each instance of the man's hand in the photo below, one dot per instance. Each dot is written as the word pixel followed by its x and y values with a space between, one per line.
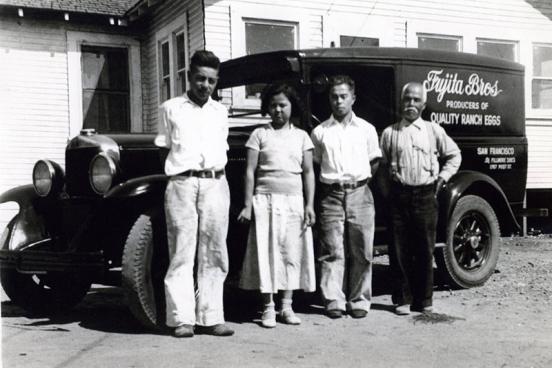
pixel 310 217
pixel 439 184
pixel 245 215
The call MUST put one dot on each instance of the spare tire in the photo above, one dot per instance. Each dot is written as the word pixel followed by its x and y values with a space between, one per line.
pixel 144 265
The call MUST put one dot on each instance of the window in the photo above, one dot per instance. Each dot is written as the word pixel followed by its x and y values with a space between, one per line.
pixel 355 41
pixel 541 87
pixel 262 36
pixel 105 88
pixel 172 59
pixel 506 50
pixel 438 42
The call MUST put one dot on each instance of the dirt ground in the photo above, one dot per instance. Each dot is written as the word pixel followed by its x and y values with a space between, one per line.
pixel 505 323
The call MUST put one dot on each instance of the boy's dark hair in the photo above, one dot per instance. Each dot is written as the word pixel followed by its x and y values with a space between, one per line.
pixel 204 58
pixel 272 90
pixel 336 80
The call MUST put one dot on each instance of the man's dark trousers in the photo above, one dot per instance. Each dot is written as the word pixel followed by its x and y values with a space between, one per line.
pixel 413 227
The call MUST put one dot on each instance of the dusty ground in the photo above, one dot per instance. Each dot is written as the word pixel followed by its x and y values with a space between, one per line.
pixel 505 323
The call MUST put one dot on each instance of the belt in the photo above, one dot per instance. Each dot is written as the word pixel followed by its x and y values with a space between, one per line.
pixel 350 185
pixel 414 188
pixel 204 174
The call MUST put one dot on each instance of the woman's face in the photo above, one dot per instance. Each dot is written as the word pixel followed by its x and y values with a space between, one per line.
pixel 279 109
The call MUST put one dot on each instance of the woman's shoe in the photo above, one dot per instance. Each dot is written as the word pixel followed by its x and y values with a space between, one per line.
pixel 268 318
pixel 288 317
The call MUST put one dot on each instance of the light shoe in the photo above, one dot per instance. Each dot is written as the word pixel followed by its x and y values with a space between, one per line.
pixel 288 317
pixel 268 318
pixel 402 310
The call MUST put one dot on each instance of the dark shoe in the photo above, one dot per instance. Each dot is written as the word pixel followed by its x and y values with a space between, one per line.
pixel 334 313
pixel 216 330
pixel 358 313
pixel 184 331
pixel 426 309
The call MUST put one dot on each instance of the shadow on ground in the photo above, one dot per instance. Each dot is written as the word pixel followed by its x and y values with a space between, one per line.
pixel 104 308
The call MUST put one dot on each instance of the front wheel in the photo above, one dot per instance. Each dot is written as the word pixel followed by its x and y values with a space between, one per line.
pixel 473 241
pixel 145 262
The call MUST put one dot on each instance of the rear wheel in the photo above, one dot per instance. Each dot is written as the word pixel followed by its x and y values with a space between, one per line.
pixel 145 262
pixel 473 241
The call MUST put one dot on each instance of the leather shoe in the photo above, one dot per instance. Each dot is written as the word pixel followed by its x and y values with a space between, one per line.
pixel 426 309
pixel 334 313
pixel 184 331
pixel 358 313
pixel 216 330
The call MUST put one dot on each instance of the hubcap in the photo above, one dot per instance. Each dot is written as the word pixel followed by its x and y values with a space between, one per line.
pixel 471 241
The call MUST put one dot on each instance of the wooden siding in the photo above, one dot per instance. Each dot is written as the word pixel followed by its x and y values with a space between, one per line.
pixel 34 113
pixel 163 15
pixel 539 136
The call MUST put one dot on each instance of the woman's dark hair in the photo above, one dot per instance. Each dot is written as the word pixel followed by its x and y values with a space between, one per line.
pixel 275 89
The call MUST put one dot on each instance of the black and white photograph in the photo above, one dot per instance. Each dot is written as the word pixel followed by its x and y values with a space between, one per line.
pixel 255 183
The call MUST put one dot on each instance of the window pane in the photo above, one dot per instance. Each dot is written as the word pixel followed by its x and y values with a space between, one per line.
pixel 542 94
pixel 104 68
pixel 165 89
pixel 180 52
pixel 445 44
pixel 105 111
pixel 542 61
pixel 105 92
pixel 165 68
pixel 499 50
pixel 353 41
pixel 268 37
pixel 181 83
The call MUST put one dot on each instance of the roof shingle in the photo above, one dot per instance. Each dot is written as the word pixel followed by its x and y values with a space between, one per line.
pixel 108 7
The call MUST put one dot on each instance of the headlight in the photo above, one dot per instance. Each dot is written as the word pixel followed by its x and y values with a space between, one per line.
pixel 47 178
pixel 102 173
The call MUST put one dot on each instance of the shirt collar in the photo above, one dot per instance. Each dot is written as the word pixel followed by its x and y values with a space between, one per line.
pixel 187 99
pixel 350 122
pixel 418 123
pixel 291 126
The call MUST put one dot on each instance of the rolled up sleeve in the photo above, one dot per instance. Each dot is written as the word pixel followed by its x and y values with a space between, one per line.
pixel 163 138
pixel 449 151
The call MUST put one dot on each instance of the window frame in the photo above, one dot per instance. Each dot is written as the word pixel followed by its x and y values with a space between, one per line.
pixel 74 67
pixel 439 36
pixel 537 111
pixel 500 41
pixel 168 34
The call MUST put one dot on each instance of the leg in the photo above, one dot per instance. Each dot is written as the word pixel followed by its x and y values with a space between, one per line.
pixel 424 226
pixel 286 314
pixel 359 226
pixel 400 256
pixel 182 222
pixel 213 206
pixel 332 257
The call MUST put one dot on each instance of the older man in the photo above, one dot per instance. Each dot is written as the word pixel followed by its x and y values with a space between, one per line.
pixel 346 147
pixel 412 149
pixel 194 129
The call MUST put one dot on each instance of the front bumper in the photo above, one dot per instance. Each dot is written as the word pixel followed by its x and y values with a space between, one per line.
pixel 44 261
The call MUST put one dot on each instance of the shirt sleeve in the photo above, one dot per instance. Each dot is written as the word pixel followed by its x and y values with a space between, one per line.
pixel 449 151
pixel 307 142
pixel 384 143
pixel 224 120
pixel 317 145
pixel 374 150
pixel 254 141
pixel 163 138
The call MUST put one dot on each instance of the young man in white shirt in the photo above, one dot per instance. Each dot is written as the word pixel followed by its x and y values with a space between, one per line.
pixel 346 148
pixel 194 129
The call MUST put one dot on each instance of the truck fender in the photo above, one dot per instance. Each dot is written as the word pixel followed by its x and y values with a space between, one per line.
pixel 27 227
pixel 151 184
pixel 477 183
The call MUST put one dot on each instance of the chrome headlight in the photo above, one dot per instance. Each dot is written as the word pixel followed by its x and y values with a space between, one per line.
pixel 47 178
pixel 103 171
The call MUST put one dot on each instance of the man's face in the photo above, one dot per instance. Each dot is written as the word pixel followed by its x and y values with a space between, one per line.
pixel 412 103
pixel 203 81
pixel 341 100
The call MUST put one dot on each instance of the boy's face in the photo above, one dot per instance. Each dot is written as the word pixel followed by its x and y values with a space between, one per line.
pixel 203 80
pixel 341 100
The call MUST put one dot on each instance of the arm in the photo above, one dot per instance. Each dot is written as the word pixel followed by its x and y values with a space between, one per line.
pixel 252 160
pixel 382 176
pixel 163 138
pixel 308 187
